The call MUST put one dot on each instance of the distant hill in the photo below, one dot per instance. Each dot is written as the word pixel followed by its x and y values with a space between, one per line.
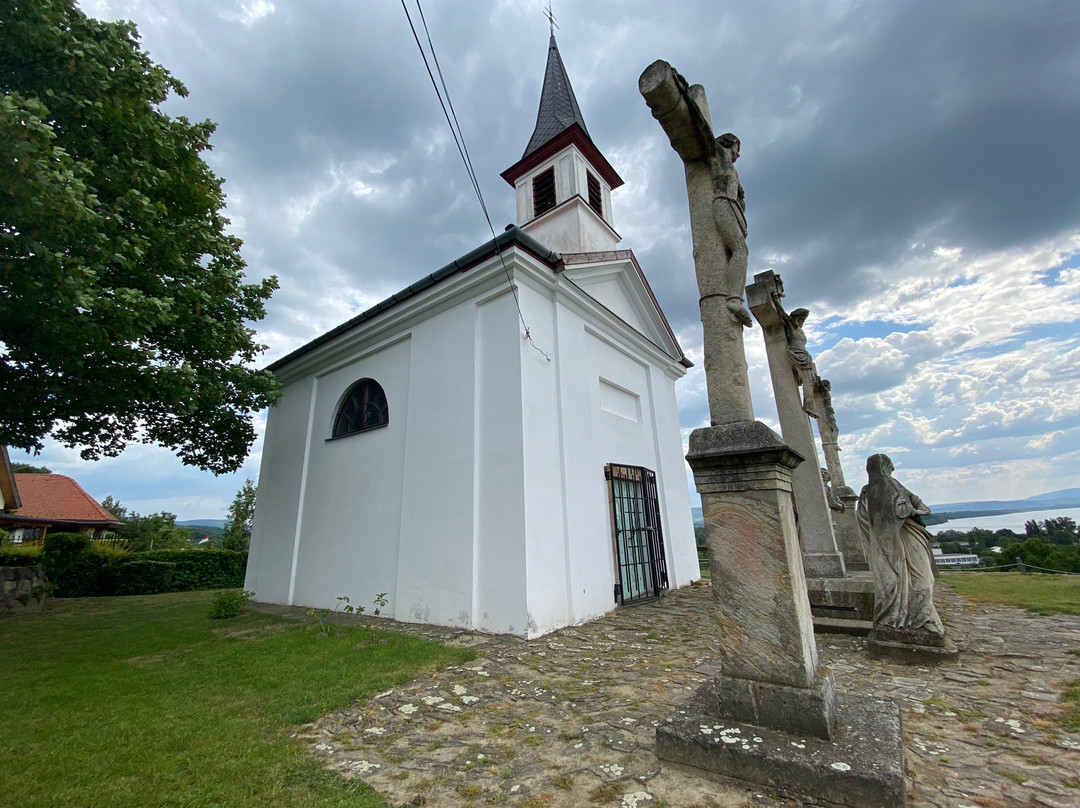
pixel 218 523
pixel 1065 498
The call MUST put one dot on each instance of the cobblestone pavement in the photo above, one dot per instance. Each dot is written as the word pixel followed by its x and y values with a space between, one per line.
pixel 569 719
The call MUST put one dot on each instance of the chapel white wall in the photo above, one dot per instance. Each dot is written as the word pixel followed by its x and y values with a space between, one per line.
pixel 483 503
pixel 409 509
pixel 571 431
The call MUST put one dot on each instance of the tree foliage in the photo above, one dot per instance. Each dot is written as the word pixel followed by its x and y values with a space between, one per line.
pixel 237 533
pixel 155 531
pixel 26 468
pixel 123 311
pixel 1057 530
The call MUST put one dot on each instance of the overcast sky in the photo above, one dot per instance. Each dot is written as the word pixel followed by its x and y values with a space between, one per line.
pixel 912 171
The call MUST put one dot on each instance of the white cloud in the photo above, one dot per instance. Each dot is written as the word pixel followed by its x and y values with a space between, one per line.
pixel 250 12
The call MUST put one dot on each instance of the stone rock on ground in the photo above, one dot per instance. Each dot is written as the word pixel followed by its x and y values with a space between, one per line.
pixel 569 719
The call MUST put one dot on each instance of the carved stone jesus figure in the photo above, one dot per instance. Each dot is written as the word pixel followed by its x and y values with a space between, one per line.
pixel 718 225
pixel 901 560
pixel 801 360
pixel 729 214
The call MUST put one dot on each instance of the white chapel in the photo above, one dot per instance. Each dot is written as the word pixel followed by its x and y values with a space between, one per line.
pixel 482 477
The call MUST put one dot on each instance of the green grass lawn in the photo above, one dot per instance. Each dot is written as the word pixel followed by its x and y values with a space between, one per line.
pixel 146 701
pixel 1042 594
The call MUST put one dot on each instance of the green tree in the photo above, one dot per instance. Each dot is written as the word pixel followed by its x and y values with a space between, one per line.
pixel 237 533
pixel 26 468
pixel 114 507
pixel 123 312
pixel 156 531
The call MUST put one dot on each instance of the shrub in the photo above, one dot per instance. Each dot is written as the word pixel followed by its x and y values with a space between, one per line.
pixel 61 551
pixel 229 603
pixel 144 577
pixel 202 569
pixel 101 570
pixel 93 575
pixel 20 555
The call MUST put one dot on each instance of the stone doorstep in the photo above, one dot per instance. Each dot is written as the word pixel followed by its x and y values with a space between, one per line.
pixel 842 625
pixel 862 766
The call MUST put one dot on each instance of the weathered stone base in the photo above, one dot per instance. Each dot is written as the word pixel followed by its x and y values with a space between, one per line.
pixel 801 710
pixel 823 565
pixel 848 598
pixel 861 766
pixel 918 648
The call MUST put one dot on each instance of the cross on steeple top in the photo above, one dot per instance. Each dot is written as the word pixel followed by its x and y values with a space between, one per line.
pixel 550 18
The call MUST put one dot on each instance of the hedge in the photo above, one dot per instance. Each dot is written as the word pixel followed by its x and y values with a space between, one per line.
pixel 60 552
pixel 20 555
pixel 79 569
pixel 91 575
pixel 202 569
pixel 144 577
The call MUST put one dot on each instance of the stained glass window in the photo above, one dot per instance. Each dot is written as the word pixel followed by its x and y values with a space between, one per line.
pixel 364 407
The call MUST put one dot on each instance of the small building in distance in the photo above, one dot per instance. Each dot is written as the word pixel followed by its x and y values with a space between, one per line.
pixel 54 503
pixel 955 559
pixel 496 447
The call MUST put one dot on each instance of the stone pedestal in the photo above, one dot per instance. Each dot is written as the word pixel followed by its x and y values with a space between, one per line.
pixel 914 646
pixel 846 529
pixel 772 717
pixel 821 558
pixel 842 605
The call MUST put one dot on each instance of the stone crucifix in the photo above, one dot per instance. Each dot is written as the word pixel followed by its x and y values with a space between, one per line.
pixel 718 227
pixel 799 734
pixel 790 366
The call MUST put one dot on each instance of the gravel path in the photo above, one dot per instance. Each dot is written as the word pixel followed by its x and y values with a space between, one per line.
pixel 569 719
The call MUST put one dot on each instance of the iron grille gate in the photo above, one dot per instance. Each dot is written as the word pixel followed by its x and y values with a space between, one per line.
pixel 639 539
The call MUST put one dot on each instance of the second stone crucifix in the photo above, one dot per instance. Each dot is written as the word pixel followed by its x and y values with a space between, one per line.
pixel 718 227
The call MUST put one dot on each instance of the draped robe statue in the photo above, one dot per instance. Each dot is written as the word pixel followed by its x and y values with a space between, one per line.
pixel 902 563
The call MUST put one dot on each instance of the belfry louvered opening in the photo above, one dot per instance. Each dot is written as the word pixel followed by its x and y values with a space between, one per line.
pixel 641 570
pixel 544 191
pixel 596 199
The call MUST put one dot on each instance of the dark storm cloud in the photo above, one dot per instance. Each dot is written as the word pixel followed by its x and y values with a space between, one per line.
pixel 873 134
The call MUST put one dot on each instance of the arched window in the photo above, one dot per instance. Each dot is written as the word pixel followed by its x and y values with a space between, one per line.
pixel 364 407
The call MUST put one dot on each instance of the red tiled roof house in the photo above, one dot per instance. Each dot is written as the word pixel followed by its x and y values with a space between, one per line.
pixel 57 503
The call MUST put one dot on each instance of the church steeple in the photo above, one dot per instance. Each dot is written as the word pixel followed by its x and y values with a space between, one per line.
pixel 562 180
pixel 558 107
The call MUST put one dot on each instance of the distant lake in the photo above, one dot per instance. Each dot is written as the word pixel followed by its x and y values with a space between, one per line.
pixel 1009 521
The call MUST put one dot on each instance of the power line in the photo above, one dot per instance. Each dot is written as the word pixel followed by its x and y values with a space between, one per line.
pixel 463 151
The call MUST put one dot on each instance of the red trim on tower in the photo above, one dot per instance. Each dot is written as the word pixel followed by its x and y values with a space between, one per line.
pixel 572 135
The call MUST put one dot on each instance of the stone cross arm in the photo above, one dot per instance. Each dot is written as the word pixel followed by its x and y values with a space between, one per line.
pixel 761 298
pixel 669 99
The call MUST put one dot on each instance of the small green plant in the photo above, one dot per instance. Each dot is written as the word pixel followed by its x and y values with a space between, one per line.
pixel 1070 719
pixel 563 781
pixel 320 618
pixel 37 594
pixel 229 603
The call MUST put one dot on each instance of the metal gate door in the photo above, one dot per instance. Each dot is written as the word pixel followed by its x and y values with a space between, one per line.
pixel 641 571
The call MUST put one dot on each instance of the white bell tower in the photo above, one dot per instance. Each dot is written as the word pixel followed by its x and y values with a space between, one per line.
pixel 563 182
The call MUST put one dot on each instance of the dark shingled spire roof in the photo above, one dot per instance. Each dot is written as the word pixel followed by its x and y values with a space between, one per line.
pixel 558 108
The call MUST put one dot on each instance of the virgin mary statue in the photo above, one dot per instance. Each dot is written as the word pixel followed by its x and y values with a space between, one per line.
pixel 898 547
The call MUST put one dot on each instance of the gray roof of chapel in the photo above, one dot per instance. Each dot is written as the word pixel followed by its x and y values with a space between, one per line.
pixel 558 107
pixel 510 237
